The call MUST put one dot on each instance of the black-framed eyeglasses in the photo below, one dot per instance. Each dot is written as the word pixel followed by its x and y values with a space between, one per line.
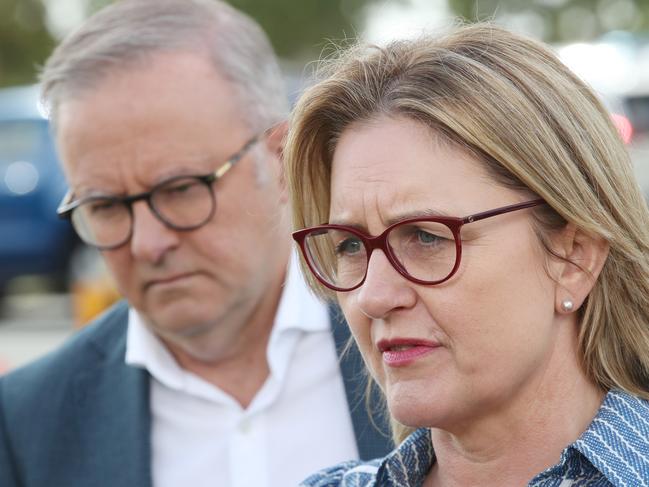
pixel 425 250
pixel 181 203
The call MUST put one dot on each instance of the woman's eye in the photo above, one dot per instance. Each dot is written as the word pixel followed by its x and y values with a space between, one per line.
pixel 427 238
pixel 349 246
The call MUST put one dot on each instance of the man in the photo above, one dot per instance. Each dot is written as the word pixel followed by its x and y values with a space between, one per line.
pixel 222 369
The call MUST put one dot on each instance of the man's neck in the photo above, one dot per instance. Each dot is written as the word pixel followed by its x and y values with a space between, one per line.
pixel 241 378
pixel 241 374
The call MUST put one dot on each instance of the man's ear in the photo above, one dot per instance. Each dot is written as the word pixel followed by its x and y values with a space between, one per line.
pixel 275 140
pixel 585 256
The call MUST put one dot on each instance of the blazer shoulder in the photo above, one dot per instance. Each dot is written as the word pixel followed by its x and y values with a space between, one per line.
pixel 49 374
pixel 78 416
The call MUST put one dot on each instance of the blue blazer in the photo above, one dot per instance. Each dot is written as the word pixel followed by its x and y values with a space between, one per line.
pixel 80 416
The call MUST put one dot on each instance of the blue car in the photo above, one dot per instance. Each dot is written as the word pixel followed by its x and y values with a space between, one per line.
pixel 33 240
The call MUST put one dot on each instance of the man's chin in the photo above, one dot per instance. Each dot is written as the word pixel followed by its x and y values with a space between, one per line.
pixel 181 318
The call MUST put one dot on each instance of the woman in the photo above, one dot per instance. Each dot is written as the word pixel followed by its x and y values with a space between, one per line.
pixel 489 248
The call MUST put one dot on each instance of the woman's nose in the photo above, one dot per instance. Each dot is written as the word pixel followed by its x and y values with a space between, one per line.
pixel 384 289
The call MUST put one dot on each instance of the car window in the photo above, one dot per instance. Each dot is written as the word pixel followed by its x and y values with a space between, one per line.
pixel 21 140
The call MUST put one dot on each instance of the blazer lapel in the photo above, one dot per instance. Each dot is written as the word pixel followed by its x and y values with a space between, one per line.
pixel 370 427
pixel 112 413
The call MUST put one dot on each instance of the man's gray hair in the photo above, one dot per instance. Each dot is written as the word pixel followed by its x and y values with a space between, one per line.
pixel 124 34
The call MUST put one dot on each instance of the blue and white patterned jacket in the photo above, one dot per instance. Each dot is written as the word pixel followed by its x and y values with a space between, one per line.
pixel 613 451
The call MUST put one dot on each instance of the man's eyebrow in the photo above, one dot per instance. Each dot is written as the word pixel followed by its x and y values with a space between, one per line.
pixel 187 169
pixel 174 172
pixel 78 194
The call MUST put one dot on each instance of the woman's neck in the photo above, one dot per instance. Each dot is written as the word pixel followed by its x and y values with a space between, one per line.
pixel 510 445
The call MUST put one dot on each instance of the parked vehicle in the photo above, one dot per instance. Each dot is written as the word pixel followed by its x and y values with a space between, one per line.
pixel 33 240
pixel 617 67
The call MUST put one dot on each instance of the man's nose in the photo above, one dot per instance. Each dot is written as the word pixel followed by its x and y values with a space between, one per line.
pixel 384 289
pixel 151 238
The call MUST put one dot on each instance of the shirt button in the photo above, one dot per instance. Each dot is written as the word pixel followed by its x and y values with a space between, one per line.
pixel 244 426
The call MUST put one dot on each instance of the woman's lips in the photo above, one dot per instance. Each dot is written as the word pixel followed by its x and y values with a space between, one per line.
pixel 402 352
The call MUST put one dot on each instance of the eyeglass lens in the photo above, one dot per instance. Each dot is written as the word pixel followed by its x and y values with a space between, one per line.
pixel 182 203
pixel 424 250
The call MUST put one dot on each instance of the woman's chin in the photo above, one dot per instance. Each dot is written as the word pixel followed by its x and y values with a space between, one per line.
pixel 416 410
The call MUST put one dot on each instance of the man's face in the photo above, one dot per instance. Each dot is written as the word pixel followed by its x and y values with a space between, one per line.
pixel 177 116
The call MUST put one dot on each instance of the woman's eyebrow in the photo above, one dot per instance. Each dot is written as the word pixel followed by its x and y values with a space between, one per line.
pixel 425 213
pixel 347 223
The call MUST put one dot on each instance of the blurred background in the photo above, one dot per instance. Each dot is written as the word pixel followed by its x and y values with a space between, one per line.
pixel 50 284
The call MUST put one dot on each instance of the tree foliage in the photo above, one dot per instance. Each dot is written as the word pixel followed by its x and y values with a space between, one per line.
pixel 562 20
pixel 299 29
pixel 25 42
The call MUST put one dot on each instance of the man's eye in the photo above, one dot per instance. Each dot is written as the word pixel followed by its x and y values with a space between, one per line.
pixel 181 187
pixel 102 206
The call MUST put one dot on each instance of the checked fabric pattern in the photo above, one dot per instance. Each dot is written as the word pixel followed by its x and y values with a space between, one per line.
pixel 613 451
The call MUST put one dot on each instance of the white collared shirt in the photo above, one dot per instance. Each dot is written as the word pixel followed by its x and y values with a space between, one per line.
pixel 297 423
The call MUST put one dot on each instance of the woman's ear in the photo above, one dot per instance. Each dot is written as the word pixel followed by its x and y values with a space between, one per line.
pixel 585 256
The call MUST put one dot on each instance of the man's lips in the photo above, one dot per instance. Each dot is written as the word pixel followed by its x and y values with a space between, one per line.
pixel 398 352
pixel 171 279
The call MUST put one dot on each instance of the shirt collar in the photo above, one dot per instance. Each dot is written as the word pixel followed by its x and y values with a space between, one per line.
pixel 615 446
pixel 409 463
pixel 144 349
pixel 298 311
pixel 617 441
pixel 298 307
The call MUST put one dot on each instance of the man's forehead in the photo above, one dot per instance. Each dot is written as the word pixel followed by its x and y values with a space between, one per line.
pixel 161 71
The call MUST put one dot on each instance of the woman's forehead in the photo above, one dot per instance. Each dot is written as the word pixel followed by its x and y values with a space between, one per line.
pixel 397 168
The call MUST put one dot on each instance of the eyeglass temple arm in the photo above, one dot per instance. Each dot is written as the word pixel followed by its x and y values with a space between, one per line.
pixel 225 167
pixel 63 210
pixel 499 211
pixel 246 147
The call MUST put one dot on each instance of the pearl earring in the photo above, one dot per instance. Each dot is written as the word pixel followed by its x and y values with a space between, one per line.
pixel 567 305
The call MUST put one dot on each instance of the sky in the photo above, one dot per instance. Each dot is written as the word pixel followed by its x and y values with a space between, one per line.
pixel 390 20
pixel 64 15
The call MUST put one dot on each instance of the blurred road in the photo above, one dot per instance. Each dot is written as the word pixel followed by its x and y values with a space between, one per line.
pixel 33 324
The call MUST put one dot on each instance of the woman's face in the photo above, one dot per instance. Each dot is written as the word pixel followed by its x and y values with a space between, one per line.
pixel 468 347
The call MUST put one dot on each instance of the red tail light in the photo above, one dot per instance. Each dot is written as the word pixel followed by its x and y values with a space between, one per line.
pixel 624 127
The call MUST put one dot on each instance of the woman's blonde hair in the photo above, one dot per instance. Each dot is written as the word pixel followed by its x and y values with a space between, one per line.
pixel 514 106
